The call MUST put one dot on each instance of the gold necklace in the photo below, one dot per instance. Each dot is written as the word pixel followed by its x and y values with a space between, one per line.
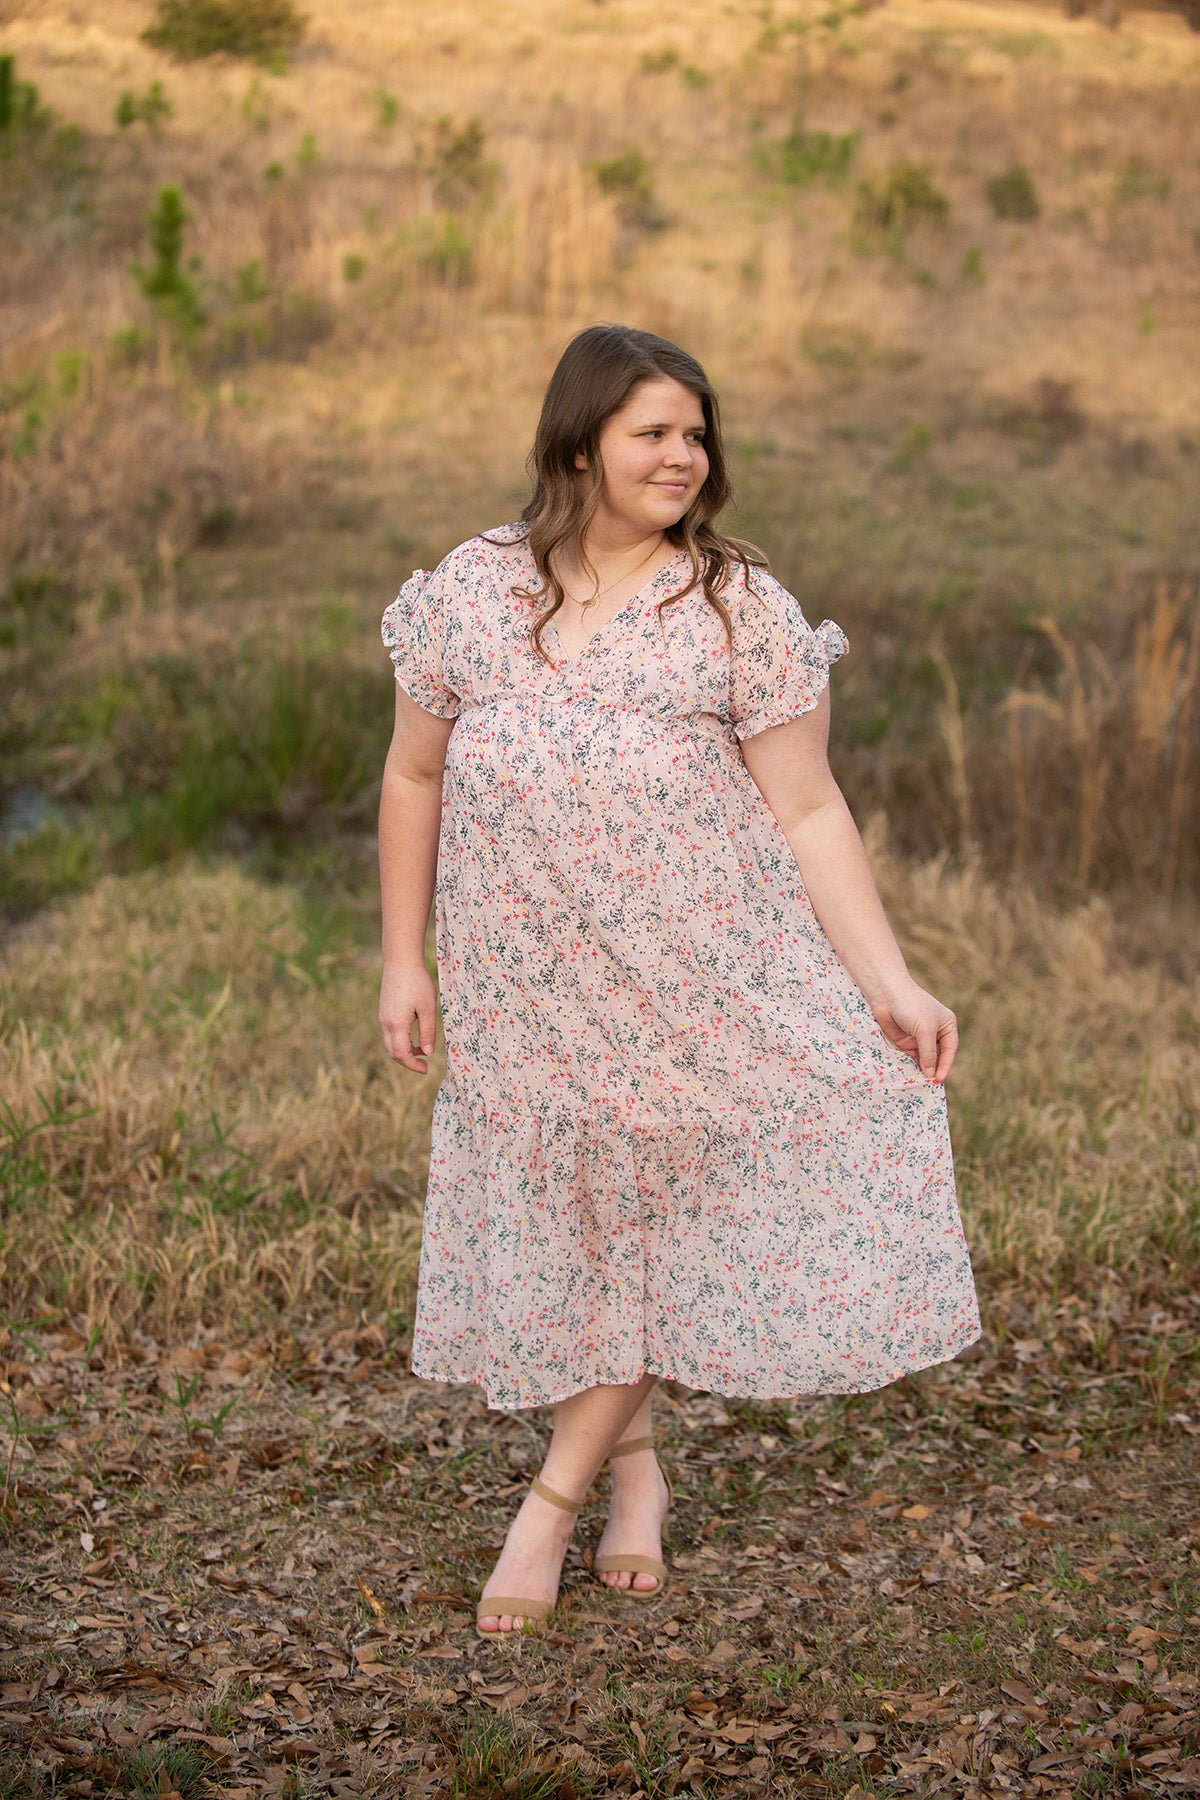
pixel 601 592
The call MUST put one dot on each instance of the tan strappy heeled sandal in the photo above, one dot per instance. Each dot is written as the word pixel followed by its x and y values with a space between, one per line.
pixel 519 1606
pixel 629 1563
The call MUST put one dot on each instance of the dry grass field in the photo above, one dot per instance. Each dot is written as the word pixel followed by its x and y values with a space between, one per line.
pixel 942 258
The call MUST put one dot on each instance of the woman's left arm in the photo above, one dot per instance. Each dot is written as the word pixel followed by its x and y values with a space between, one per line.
pixel 789 765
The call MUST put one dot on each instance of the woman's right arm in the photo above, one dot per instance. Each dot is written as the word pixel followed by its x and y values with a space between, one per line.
pixel 410 809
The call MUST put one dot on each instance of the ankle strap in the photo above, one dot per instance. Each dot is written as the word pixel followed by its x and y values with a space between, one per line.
pixel 553 1496
pixel 630 1445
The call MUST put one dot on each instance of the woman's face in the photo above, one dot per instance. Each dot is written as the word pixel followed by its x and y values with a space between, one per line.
pixel 654 458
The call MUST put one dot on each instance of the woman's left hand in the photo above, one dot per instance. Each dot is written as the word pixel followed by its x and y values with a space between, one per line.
pixel 920 1026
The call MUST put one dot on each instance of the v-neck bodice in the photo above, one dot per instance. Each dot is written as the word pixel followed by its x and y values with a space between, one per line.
pixel 628 605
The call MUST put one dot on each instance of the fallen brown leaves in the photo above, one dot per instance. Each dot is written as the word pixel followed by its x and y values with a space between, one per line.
pixel 979 1581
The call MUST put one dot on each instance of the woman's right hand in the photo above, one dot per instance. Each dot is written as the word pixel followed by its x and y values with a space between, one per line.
pixel 407 993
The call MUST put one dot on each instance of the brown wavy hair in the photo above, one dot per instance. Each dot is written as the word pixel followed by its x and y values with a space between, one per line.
pixel 595 376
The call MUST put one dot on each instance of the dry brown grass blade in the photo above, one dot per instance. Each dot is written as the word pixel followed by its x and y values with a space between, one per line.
pixel 950 722
pixel 1097 774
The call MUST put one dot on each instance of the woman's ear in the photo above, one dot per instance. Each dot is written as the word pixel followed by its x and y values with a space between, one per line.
pixel 581 461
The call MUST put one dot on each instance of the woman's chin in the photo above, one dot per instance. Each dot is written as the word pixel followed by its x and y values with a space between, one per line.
pixel 653 513
pixel 661 514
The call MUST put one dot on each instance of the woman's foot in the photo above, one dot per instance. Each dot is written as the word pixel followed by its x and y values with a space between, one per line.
pixel 635 1520
pixel 530 1562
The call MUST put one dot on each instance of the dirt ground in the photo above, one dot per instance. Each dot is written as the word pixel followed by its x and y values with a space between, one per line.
pixel 249 1569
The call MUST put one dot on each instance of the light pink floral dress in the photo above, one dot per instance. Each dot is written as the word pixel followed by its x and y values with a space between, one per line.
pixel 671 1136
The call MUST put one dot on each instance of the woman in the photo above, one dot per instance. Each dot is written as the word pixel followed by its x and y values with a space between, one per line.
pixel 692 1123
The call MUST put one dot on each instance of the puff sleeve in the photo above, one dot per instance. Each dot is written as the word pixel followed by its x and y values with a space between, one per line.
pixel 779 665
pixel 414 633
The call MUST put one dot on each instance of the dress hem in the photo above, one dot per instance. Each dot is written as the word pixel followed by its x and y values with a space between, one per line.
pixel 946 1354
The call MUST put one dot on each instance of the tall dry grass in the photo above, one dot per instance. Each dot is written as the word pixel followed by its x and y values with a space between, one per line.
pixel 118 479
pixel 1073 1104
pixel 1091 777
pixel 200 1121
pixel 202 1127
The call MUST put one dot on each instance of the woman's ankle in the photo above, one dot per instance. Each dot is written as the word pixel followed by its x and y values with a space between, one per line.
pixel 567 1486
pixel 634 1474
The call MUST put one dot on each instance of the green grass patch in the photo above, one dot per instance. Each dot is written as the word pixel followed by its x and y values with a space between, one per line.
pixel 264 31
pixel 806 156
pixel 890 206
pixel 1012 195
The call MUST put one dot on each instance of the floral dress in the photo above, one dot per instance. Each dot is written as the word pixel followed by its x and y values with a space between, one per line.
pixel 671 1137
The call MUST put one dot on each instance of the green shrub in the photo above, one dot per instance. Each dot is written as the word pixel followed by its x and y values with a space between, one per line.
pixel 19 104
pixel 449 254
pixel 461 171
pixel 805 156
pixel 263 30
pixel 627 178
pixel 150 108
pixel 628 173
pixel 48 177
pixel 972 265
pixel 1013 195
pixel 164 281
pixel 905 197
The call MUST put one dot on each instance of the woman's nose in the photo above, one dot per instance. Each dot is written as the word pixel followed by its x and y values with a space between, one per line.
pixel 678 452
